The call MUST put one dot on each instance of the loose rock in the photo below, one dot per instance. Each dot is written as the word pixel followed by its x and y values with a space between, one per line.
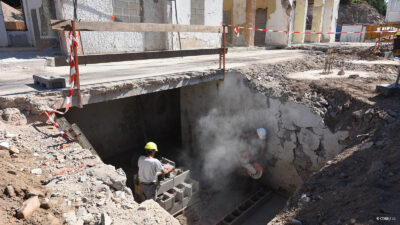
pixel 105 219
pixel 10 191
pixel 36 171
pixel 28 208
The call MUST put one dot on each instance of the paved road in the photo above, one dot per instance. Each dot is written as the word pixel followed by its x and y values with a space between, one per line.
pixel 18 79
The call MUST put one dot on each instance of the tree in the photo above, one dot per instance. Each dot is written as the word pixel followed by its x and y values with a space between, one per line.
pixel 379 5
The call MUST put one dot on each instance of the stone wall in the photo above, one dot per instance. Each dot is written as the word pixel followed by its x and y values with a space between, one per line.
pixel 215 114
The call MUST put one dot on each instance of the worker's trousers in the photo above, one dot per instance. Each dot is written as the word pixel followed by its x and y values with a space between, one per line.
pixel 149 191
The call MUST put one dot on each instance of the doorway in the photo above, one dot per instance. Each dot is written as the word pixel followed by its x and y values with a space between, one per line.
pixel 261 23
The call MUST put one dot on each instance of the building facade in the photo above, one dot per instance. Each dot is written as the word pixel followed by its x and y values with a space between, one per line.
pixel 285 15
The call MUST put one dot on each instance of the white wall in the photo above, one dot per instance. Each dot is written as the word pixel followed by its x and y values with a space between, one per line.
pixel 393 11
pixel 281 19
pixel 331 12
pixel 352 37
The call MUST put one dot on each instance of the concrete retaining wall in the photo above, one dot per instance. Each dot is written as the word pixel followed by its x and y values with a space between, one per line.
pixel 122 134
pixel 215 114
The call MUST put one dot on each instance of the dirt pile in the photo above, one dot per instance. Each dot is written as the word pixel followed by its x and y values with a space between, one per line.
pixel 72 185
pixel 359 13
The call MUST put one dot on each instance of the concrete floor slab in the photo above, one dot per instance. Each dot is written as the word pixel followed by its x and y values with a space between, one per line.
pixel 20 81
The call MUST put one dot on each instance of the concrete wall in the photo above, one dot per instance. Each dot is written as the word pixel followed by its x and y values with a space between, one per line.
pixel 318 15
pixel 100 42
pixel 115 128
pixel 3 33
pixel 215 114
pixel 197 12
pixel 331 12
pixel 393 11
pixel 280 17
pixel 127 11
pixel 212 17
pixel 155 12
pixel 300 18
pixel 239 19
pixel 353 37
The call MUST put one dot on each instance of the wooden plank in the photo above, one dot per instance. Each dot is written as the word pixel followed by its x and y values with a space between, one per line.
pixel 105 58
pixel 65 25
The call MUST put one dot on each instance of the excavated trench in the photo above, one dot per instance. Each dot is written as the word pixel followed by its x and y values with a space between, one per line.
pixel 199 127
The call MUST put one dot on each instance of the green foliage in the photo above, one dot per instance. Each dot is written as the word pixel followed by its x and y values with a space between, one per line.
pixel 379 5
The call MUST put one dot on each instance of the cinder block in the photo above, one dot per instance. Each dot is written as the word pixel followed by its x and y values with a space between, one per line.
pixel 167 200
pixel 180 178
pixel 188 190
pixel 176 207
pixel 195 185
pixel 179 192
pixel 49 81
pixel 185 202
pixel 165 185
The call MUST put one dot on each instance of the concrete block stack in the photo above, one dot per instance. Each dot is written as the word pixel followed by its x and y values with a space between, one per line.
pixel 176 190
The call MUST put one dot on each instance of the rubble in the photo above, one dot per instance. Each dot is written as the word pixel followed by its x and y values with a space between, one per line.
pixel 29 207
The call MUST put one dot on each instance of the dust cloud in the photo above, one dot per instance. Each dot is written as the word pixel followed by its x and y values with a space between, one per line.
pixel 234 112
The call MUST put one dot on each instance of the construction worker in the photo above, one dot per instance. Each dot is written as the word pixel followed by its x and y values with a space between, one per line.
pixel 148 169
pixel 248 158
pixel 396 45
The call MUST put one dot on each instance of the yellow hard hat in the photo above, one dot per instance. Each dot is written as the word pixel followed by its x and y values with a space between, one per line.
pixel 151 146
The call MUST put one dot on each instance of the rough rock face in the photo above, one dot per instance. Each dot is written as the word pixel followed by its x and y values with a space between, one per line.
pixel 359 13
pixel 13 116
